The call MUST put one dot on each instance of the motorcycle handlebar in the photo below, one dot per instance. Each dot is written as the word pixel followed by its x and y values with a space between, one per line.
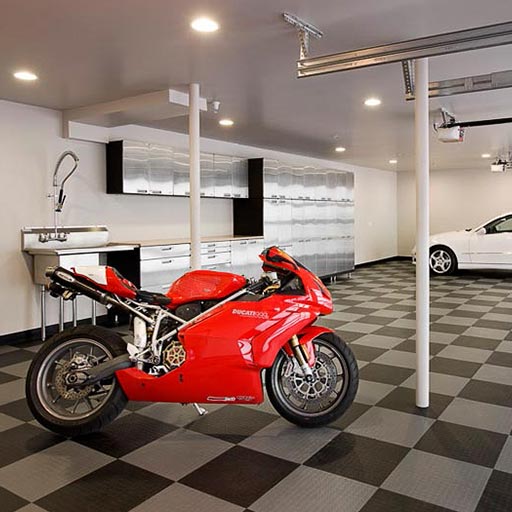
pixel 260 285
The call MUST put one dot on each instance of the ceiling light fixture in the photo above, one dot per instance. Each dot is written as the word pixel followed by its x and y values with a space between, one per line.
pixel 372 102
pixel 486 155
pixel 25 75
pixel 340 149
pixel 226 122
pixel 393 161
pixel 204 25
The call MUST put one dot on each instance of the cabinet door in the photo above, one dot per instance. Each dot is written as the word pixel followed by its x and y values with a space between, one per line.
pixel 240 177
pixel 320 185
pixel 161 172
pixel 284 222
pixel 181 173
pixel 270 178
pixel 297 182
pixel 254 249
pixel 349 183
pixel 309 182
pixel 207 175
pixel 162 272
pixel 135 167
pixel 284 181
pixel 330 185
pixel 271 221
pixel 297 227
pixel 341 189
pixel 239 257
pixel 223 169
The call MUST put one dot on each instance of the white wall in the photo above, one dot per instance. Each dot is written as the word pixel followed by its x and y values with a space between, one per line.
pixel 30 142
pixel 459 199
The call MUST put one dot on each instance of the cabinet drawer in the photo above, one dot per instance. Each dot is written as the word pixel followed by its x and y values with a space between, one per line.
pixel 164 251
pixel 215 259
pixel 214 247
pixel 162 271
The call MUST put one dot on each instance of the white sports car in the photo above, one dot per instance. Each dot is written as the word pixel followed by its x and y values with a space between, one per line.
pixel 488 246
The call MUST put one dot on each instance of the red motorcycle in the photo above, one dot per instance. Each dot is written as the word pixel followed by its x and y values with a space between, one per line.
pixel 206 341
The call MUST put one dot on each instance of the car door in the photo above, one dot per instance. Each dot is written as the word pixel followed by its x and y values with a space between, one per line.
pixel 491 246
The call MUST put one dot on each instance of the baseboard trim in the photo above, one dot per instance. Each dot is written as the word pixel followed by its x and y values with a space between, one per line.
pixel 383 260
pixel 35 334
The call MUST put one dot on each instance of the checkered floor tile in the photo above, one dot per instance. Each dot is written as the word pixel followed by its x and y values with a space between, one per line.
pixel 383 455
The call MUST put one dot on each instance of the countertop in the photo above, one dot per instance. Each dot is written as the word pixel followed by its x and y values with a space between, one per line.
pixel 83 250
pixel 175 241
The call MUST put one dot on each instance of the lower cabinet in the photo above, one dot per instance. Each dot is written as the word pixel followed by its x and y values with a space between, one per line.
pixel 156 275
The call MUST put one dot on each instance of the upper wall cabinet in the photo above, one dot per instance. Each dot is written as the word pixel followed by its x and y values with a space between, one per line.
pixel 161 170
pixel 141 168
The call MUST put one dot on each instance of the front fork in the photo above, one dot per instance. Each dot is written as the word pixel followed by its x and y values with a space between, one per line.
pixel 302 357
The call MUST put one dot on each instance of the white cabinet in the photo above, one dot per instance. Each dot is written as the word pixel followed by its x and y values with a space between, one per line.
pixel 161 170
pixel 140 168
pixel 223 170
pixel 270 178
pixel 216 255
pixel 207 175
pixel 161 265
pixel 135 162
pixel 240 178
pixel 181 173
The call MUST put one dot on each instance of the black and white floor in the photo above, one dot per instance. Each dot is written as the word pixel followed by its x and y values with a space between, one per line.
pixel 384 455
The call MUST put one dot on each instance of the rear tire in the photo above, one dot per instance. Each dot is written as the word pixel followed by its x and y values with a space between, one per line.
pixel 62 408
pixel 287 388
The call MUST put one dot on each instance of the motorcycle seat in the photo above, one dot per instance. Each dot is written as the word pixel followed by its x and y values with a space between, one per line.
pixel 155 299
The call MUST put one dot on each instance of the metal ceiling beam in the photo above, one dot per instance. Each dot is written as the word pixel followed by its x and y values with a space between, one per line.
pixel 442 44
pixel 478 83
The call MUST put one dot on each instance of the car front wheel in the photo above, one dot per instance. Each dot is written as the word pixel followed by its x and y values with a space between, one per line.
pixel 442 261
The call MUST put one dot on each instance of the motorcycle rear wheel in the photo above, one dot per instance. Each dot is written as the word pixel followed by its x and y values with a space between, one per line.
pixel 315 404
pixel 72 410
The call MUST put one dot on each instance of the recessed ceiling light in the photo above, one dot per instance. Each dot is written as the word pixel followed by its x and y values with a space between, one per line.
pixel 372 102
pixel 226 122
pixel 486 155
pixel 25 75
pixel 205 25
pixel 393 161
pixel 340 149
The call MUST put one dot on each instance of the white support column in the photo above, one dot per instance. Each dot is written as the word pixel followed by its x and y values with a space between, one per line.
pixel 421 112
pixel 195 177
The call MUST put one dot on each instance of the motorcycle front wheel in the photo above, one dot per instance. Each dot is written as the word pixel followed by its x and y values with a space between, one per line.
pixel 327 396
pixel 51 396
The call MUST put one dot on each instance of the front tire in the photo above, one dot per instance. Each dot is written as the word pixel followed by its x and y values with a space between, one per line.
pixel 443 261
pixel 327 397
pixel 72 410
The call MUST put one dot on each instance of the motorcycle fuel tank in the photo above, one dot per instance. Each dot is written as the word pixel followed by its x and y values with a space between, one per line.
pixel 204 285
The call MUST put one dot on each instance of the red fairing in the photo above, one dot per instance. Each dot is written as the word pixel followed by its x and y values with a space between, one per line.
pixel 204 285
pixel 108 279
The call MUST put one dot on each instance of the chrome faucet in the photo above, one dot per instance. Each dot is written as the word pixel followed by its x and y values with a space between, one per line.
pixel 58 199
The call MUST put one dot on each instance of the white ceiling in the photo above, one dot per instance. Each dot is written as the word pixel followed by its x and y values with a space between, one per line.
pixel 88 52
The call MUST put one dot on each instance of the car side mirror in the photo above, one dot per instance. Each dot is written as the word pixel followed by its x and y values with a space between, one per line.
pixel 481 231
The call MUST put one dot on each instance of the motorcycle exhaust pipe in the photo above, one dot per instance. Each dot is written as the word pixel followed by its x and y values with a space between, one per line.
pixel 64 279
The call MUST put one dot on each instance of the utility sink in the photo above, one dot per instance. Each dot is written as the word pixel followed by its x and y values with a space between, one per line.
pixel 83 245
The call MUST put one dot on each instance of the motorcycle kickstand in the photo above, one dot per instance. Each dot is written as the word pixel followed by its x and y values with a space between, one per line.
pixel 200 410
